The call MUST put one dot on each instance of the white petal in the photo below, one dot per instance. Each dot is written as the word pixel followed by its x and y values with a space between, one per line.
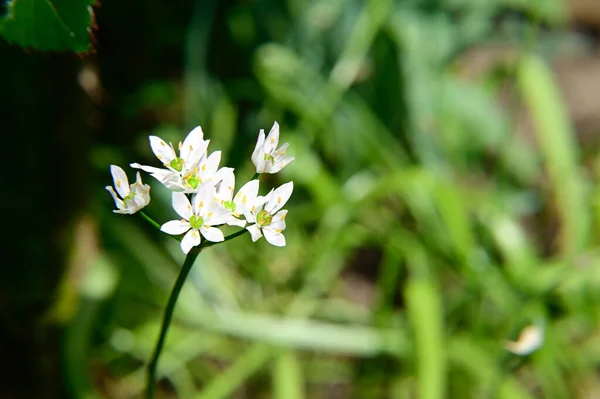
pixel 175 227
pixel 214 214
pixel 135 204
pixel 258 153
pixel 167 177
pixel 141 189
pixel 190 240
pixel 280 163
pixel 272 139
pixel 210 166
pixel 150 169
pixel 245 198
pixel 162 150
pixel 182 205
pixel 120 179
pixel 281 150
pixel 212 234
pixel 254 232
pixel 279 197
pixel 258 206
pixel 273 237
pixel 278 222
pixel 233 221
pixel 202 198
pixel 118 202
pixel 192 143
pixel 123 211
pixel 251 216
pixel 173 182
pixel 226 180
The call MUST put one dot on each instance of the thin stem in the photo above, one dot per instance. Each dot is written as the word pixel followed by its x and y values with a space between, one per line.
pixel 255 176
pixel 168 315
pixel 150 220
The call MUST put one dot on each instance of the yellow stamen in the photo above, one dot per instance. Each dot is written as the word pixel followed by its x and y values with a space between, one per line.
pixel 118 182
pixel 244 200
pixel 279 200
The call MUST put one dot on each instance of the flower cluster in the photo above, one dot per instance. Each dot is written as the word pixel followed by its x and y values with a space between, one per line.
pixel 204 195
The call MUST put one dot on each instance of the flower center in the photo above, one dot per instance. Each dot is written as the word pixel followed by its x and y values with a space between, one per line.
pixel 177 164
pixel 264 218
pixel 129 197
pixel 269 157
pixel 196 222
pixel 230 205
pixel 193 181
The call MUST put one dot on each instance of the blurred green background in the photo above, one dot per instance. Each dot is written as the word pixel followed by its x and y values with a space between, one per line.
pixel 446 197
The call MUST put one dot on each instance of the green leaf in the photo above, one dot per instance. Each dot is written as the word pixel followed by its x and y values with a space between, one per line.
pixel 558 145
pixel 49 25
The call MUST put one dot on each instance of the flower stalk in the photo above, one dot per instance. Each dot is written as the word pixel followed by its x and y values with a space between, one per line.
pixel 167 317
pixel 170 308
pixel 204 198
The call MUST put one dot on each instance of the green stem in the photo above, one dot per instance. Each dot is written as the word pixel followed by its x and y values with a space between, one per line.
pixel 150 220
pixel 255 176
pixel 168 315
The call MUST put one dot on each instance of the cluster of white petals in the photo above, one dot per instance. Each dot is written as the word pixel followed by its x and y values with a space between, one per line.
pixel 204 195
pixel 132 197
pixel 266 157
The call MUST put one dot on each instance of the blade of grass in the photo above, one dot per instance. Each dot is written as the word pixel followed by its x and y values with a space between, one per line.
pixel 556 140
pixel 244 366
pixel 425 312
pixel 288 381
pixel 465 353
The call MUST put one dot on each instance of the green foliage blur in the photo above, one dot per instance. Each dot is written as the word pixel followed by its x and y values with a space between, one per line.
pixel 445 199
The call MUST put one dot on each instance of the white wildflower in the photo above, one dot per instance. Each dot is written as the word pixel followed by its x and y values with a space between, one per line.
pixel 180 170
pixel 240 204
pixel 267 217
pixel 198 217
pixel 132 197
pixel 266 157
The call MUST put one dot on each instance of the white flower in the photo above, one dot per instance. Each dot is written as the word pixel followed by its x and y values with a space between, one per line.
pixel 268 221
pixel 265 156
pixel 207 168
pixel 134 197
pixel 198 217
pixel 180 170
pixel 242 203
pixel 530 339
